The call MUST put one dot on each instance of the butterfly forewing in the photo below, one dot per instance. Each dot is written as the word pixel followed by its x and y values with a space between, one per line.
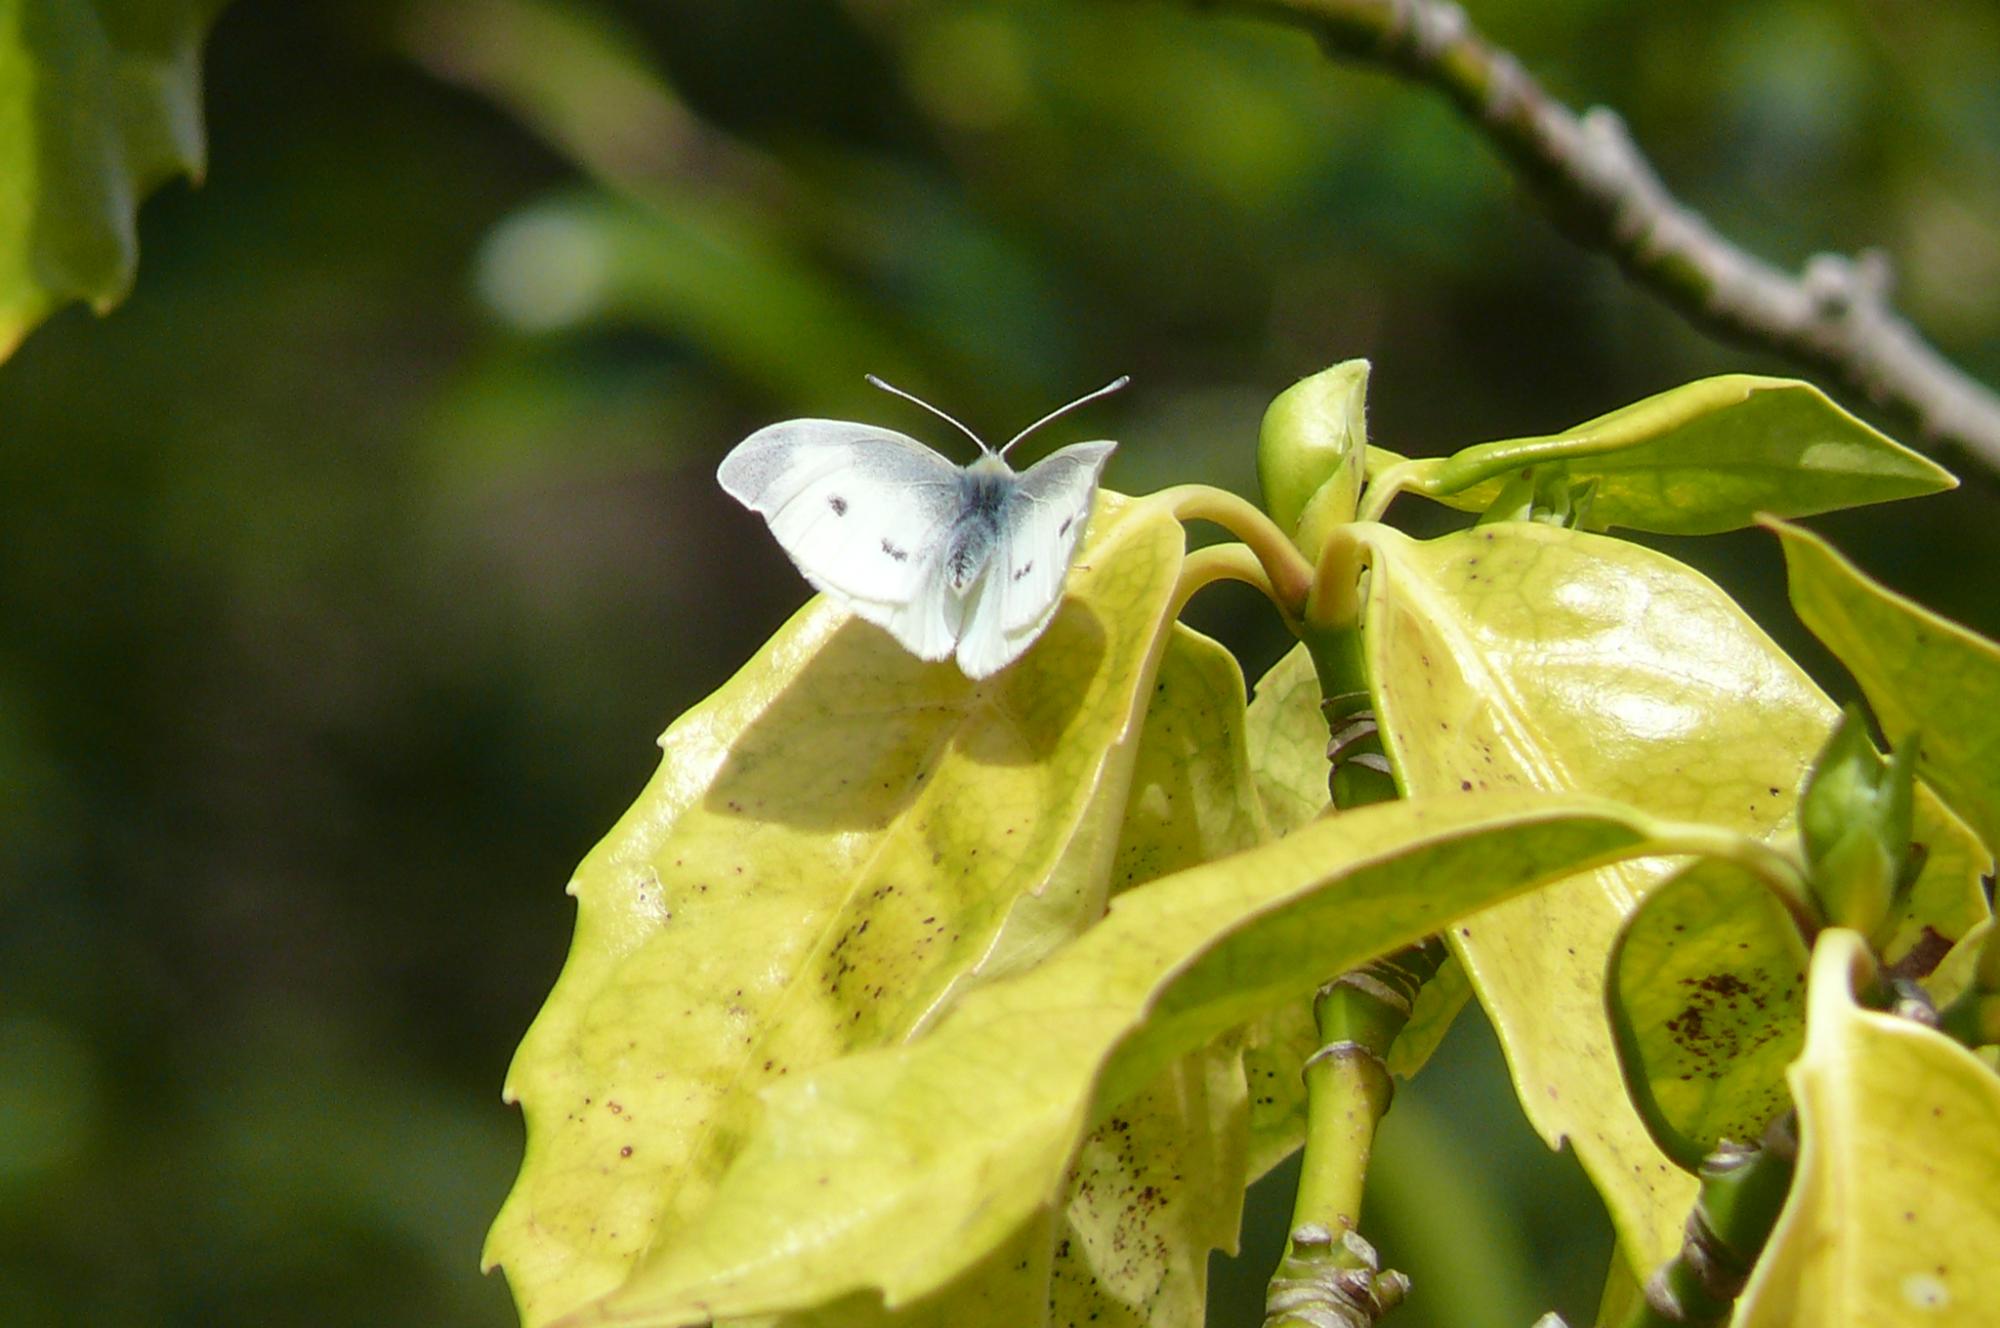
pixel 861 510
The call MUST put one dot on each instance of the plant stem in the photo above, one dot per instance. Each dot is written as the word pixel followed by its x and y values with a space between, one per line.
pixel 1221 562
pixel 1383 488
pixel 1330 1275
pixel 1333 607
pixel 1290 575
pixel 1742 1192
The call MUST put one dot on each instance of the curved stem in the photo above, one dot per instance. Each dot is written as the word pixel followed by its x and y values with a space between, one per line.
pixel 1221 562
pixel 1290 575
pixel 1383 488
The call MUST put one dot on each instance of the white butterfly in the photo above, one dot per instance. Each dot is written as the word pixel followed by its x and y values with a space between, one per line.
pixel 966 560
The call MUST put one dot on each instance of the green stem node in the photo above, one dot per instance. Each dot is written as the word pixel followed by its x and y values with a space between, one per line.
pixel 1329 1282
pixel 1742 1191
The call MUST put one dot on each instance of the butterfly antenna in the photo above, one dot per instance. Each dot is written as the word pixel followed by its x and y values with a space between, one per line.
pixel 1061 411
pixel 893 390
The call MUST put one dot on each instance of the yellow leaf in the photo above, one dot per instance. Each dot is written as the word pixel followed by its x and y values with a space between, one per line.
pixel 1160 1184
pixel 1894 1214
pixel 1923 674
pixel 1192 799
pixel 900 1168
pixel 1707 999
pixel 1153 1189
pixel 835 845
pixel 1287 736
pixel 1526 656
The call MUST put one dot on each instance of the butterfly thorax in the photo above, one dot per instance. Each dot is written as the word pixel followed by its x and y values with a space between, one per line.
pixel 984 488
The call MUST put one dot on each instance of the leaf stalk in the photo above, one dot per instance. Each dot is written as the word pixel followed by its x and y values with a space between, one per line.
pixel 1222 562
pixel 1289 575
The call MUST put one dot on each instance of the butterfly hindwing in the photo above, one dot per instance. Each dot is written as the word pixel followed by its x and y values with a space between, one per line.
pixel 1041 525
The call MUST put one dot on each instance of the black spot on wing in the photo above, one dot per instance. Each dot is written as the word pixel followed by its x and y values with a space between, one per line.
pixel 900 555
pixel 1023 570
pixel 1063 529
pixel 837 503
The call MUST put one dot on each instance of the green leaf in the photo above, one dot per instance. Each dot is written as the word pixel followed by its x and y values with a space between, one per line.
pixel 1921 673
pixel 836 844
pixel 1958 970
pixel 1856 824
pixel 1700 459
pixel 1525 656
pixel 1707 996
pixel 100 103
pixel 897 1169
pixel 1891 1217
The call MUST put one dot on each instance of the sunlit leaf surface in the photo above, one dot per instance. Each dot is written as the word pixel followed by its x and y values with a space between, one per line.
pixel 1703 458
pixel 1707 992
pixel 1524 656
pixel 99 104
pixel 1894 1214
pixel 835 844
pixel 899 1168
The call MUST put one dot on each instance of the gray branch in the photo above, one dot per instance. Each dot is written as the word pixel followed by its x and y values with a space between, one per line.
pixel 1834 317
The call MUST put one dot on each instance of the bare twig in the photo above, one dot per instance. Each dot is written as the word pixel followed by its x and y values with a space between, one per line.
pixel 1835 316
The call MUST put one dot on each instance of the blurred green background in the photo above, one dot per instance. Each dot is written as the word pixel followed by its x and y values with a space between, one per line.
pixel 348 570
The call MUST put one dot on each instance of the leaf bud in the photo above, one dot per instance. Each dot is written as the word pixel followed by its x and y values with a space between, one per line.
pixel 1855 819
pixel 1312 452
